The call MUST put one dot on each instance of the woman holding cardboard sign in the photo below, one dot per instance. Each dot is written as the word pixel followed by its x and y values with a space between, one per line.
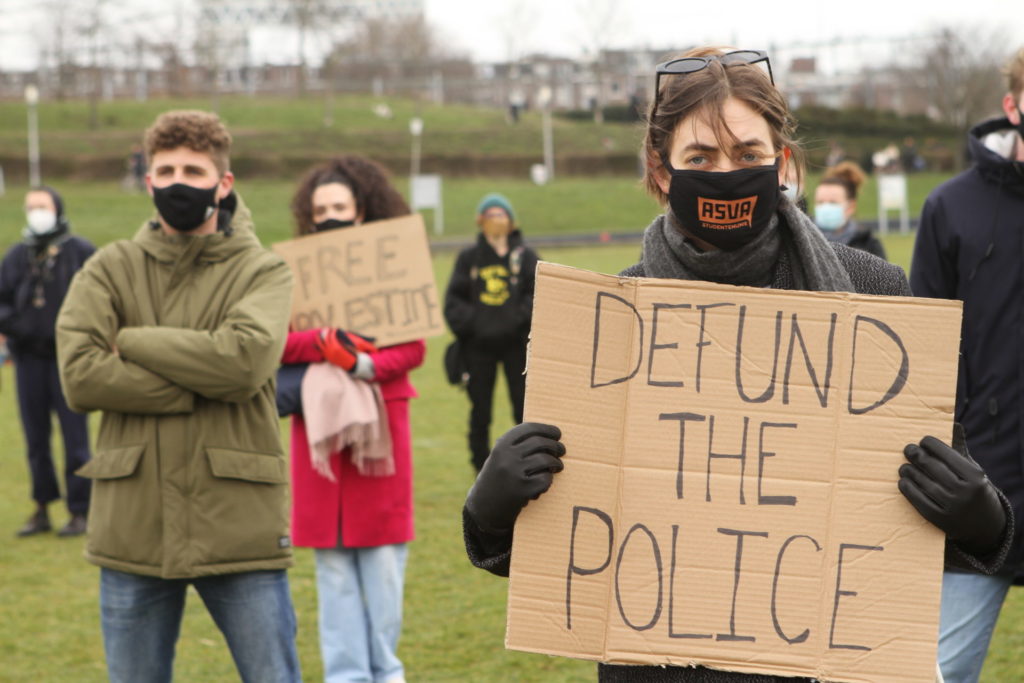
pixel 719 144
pixel 353 505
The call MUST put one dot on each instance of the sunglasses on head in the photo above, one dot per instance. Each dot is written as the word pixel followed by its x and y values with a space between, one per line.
pixel 689 65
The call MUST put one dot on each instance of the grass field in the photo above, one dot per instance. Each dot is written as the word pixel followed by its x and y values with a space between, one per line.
pixel 103 212
pixel 289 126
pixel 455 614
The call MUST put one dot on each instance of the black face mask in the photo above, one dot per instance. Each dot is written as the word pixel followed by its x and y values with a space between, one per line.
pixel 332 224
pixel 726 209
pixel 184 207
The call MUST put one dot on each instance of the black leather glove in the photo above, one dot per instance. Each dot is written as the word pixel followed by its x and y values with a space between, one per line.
pixel 520 468
pixel 951 491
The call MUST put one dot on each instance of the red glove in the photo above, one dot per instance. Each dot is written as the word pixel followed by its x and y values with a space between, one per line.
pixel 341 349
pixel 364 344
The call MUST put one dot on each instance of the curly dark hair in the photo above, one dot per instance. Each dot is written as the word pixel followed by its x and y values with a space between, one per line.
pixel 376 199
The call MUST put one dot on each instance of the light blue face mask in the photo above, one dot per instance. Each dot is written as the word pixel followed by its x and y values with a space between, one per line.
pixel 829 217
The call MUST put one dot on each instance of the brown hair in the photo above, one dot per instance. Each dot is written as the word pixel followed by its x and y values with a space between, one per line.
pixel 200 131
pixel 1015 73
pixel 703 93
pixel 846 174
pixel 375 197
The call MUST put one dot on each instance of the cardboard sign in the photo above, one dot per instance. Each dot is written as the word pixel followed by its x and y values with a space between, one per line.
pixel 729 495
pixel 375 279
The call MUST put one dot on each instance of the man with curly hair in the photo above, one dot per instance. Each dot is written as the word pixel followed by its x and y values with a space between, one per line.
pixel 175 336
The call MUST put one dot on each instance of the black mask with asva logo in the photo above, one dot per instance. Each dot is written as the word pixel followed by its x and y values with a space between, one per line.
pixel 725 209
pixel 184 207
pixel 333 224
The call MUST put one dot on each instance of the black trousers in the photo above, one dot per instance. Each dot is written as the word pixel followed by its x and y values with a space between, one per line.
pixel 39 394
pixel 482 362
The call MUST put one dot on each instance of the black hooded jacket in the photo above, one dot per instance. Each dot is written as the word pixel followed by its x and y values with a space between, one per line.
pixel 489 297
pixel 970 246
pixel 34 278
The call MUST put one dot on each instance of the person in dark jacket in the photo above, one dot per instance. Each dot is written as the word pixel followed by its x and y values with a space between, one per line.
pixel 968 247
pixel 718 128
pixel 487 306
pixel 835 203
pixel 34 278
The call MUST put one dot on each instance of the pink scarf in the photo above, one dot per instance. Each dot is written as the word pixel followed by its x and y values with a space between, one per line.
pixel 343 412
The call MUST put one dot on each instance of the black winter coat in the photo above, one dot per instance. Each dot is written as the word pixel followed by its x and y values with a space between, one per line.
pixel 859 238
pixel 489 297
pixel 33 282
pixel 869 275
pixel 970 246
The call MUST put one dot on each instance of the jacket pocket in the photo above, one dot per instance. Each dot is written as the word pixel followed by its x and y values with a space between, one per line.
pixel 112 463
pixel 226 463
pixel 240 513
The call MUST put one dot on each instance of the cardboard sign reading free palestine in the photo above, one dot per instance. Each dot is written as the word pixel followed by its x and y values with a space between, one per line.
pixel 375 279
pixel 729 495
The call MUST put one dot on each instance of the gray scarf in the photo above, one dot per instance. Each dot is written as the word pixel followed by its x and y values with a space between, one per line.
pixel 790 253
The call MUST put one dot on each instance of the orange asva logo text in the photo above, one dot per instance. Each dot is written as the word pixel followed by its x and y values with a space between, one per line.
pixel 726 214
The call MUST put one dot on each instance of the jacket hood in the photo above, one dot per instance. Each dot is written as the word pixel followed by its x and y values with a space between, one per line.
pixel 990 143
pixel 239 234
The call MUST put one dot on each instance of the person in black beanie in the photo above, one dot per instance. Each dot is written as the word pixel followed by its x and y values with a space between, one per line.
pixel 34 278
pixel 487 306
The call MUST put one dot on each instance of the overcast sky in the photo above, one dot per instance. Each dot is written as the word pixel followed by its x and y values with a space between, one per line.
pixel 562 26
pixel 494 31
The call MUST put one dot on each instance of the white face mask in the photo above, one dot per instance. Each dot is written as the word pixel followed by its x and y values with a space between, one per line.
pixel 41 221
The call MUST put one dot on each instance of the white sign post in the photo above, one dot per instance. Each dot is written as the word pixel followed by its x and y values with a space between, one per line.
pixel 416 130
pixel 426 194
pixel 892 196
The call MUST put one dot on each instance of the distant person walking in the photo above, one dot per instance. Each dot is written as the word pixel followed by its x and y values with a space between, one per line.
pixel 969 247
pixel 34 279
pixel 835 204
pixel 488 305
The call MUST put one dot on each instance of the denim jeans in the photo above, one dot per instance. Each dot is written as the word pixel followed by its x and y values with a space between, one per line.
pixel 141 618
pixel 970 608
pixel 359 592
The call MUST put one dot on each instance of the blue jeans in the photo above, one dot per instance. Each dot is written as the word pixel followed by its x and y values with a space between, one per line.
pixel 970 608
pixel 359 592
pixel 141 618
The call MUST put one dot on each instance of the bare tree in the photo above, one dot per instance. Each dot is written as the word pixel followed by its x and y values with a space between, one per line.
pixel 397 49
pixel 58 35
pixel 600 21
pixel 92 30
pixel 959 71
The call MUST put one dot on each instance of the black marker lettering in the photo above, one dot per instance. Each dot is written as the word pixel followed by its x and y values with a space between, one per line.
pixel 762 454
pixel 618 573
pixel 731 635
pixel 840 593
pixel 582 571
pixel 655 346
pixel 775 589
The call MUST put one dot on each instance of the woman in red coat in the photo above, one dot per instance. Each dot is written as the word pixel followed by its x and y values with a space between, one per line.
pixel 357 523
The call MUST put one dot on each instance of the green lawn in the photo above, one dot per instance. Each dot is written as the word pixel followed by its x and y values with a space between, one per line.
pixel 103 212
pixel 288 126
pixel 455 614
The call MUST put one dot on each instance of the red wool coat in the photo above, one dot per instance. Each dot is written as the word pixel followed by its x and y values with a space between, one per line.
pixel 356 511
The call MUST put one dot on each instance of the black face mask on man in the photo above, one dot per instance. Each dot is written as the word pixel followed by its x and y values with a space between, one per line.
pixel 184 207
pixel 333 224
pixel 725 209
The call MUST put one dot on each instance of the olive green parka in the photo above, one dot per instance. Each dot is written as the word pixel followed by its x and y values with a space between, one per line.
pixel 176 339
